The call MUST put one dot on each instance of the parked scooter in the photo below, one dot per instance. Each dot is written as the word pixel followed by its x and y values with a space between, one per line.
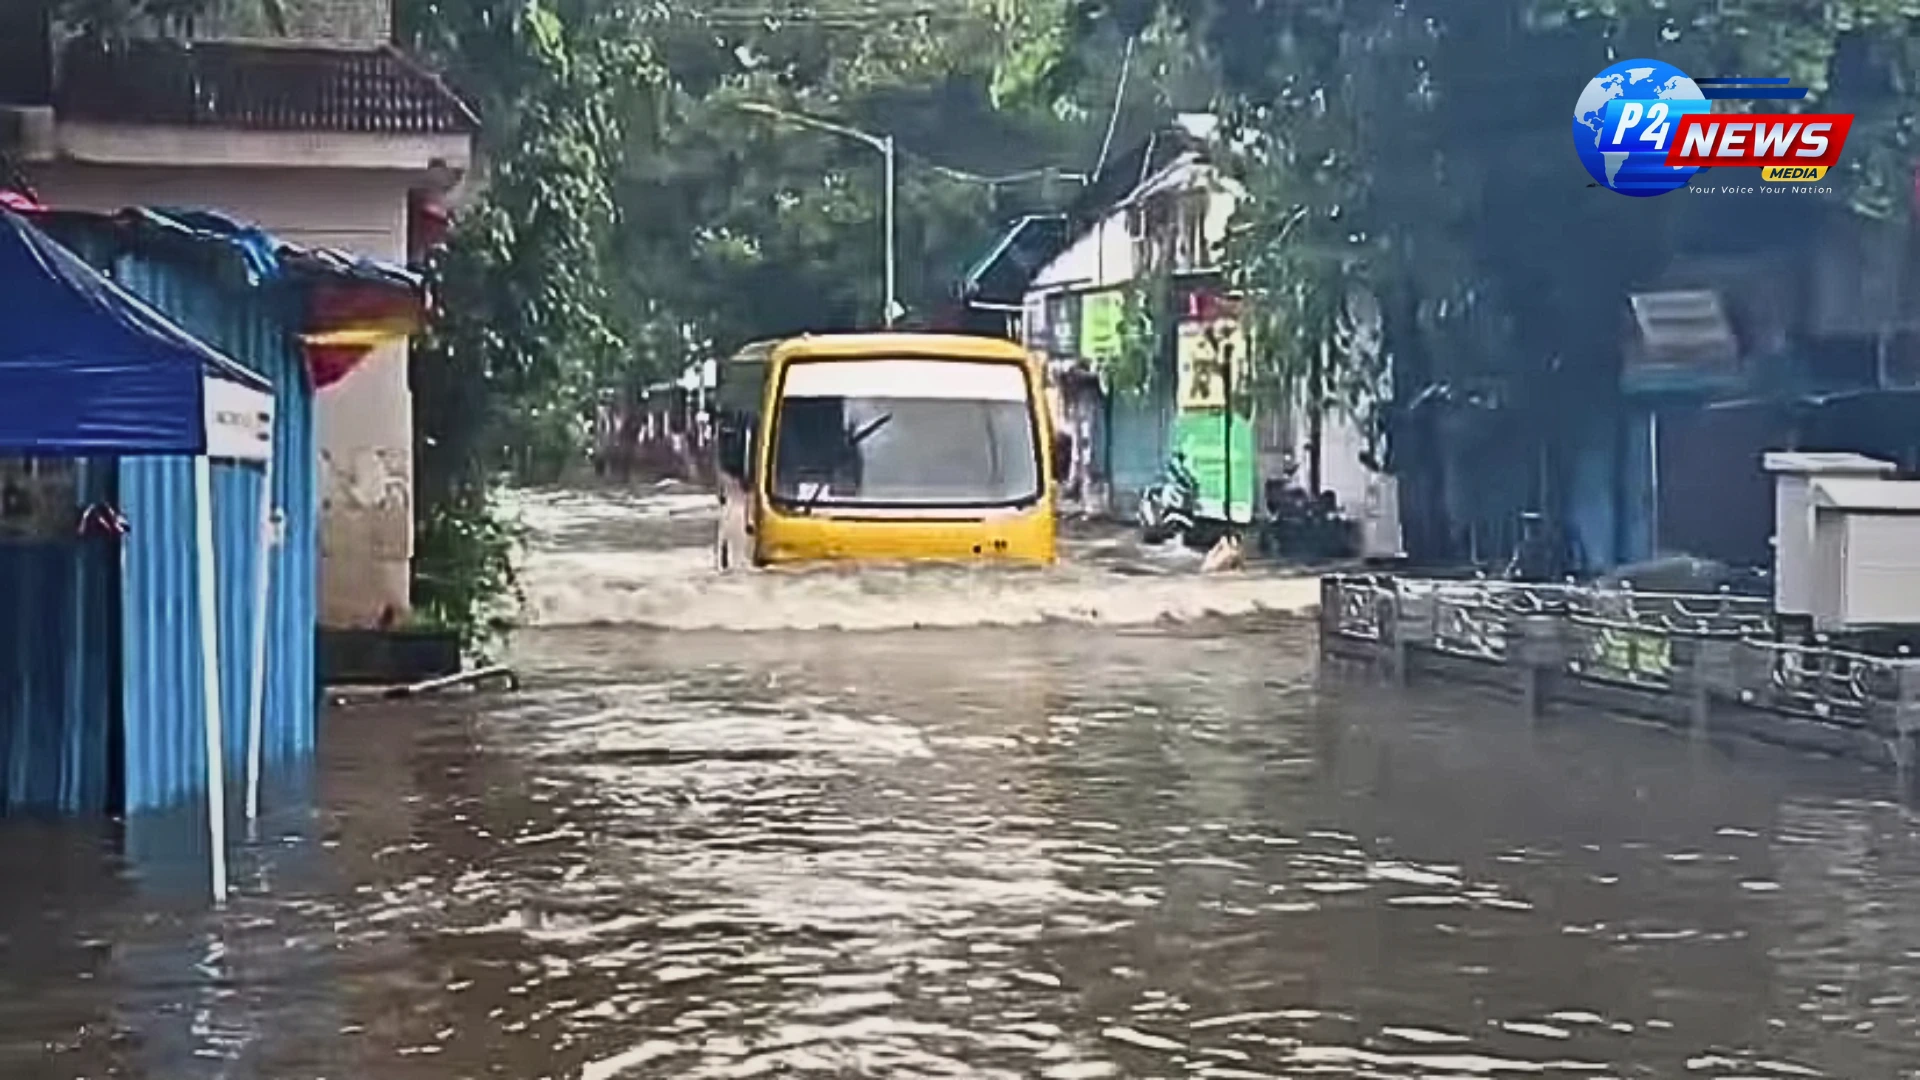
pixel 1301 525
pixel 1168 508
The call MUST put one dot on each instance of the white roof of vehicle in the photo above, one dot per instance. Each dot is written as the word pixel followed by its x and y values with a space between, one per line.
pixel 959 380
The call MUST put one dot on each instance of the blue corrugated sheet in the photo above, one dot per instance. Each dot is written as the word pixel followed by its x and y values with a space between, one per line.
pixel 1139 442
pixel 1637 512
pixel 163 702
pixel 57 679
pixel 1593 488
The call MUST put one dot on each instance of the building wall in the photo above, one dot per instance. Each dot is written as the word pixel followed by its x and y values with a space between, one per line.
pixel 366 420
pixel 1102 257
pixel 1139 439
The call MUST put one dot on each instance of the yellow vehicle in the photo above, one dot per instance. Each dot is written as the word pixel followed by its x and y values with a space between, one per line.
pixel 886 448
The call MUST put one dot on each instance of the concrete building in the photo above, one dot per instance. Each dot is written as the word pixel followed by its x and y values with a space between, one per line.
pixel 1166 207
pixel 318 130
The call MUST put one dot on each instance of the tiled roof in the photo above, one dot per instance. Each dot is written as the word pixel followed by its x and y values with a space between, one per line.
pixel 261 87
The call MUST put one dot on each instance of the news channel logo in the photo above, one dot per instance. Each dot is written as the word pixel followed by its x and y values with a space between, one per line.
pixel 1629 118
pixel 1624 122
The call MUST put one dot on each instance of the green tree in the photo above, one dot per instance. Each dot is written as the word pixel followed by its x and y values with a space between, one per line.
pixel 1418 148
pixel 521 332
pixel 744 226
pixel 112 17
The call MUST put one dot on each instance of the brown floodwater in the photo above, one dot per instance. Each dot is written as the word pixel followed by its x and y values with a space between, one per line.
pixel 1056 851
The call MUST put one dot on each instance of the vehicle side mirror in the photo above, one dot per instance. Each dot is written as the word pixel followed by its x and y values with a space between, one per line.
pixel 1062 457
pixel 730 446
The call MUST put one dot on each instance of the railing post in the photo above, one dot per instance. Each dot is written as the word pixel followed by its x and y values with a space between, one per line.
pixel 1414 614
pixel 1542 654
pixel 1752 673
pixel 1387 617
pixel 1906 722
pixel 1713 674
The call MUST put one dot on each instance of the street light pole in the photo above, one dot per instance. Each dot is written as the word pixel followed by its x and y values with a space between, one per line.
pixel 882 143
pixel 893 302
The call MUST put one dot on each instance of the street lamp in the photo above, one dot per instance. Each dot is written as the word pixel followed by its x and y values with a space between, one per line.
pixel 882 143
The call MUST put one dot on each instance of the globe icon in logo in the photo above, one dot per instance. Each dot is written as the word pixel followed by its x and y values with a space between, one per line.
pixel 1626 120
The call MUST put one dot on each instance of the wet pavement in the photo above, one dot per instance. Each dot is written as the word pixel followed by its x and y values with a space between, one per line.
pixel 1055 850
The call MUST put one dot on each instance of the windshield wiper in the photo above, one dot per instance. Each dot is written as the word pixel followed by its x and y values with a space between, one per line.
pixel 854 439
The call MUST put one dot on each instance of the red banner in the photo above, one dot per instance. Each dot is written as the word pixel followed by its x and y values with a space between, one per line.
pixel 1725 140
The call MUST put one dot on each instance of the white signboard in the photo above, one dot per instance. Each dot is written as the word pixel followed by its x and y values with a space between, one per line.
pixel 960 380
pixel 239 421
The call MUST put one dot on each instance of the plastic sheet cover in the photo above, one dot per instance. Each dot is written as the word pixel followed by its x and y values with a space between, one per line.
pixel 86 367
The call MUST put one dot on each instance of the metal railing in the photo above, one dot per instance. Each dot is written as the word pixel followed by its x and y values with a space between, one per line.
pixel 1361 607
pixel 1475 622
pixel 1626 653
pixel 1718 644
pixel 1824 682
pixel 1482 602
pixel 1700 613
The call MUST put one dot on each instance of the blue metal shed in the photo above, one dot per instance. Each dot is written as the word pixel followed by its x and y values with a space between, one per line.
pixel 88 374
pixel 108 701
pixel 163 703
pixel 158 609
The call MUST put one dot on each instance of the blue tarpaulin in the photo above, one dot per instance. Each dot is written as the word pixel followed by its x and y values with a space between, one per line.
pixel 262 256
pixel 87 368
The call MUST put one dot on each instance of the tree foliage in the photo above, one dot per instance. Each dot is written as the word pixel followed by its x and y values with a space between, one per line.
pixel 522 329
pixel 1416 150
pixel 1145 342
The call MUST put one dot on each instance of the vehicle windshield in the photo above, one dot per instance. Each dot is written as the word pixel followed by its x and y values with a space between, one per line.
pixel 905 433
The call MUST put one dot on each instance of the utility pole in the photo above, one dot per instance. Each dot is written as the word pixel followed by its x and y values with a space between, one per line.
pixel 1316 417
pixel 893 300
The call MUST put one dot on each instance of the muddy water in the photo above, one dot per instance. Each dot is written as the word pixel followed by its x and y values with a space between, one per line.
pixel 1042 851
pixel 646 559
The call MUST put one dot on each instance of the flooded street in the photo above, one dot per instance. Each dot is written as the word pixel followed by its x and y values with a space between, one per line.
pixel 1090 841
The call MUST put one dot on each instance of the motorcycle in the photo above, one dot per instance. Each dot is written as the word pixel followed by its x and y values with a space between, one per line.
pixel 1168 508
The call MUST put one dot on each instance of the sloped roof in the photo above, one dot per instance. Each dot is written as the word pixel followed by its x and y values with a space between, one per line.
pixel 1001 275
pixel 257 86
pixel 1122 174
pixel 1029 244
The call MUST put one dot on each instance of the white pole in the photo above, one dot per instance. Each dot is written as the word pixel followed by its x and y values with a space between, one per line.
pixel 893 301
pixel 257 692
pixel 210 673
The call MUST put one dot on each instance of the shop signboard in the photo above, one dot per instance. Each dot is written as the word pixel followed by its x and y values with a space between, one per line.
pixel 1063 325
pixel 1210 349
pixel 1034 331
pixel 1102 316
pixel 1210 352
pixel 1221 454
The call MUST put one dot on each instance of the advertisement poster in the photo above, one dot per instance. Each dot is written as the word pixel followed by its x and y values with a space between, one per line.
pixel 1063 326
pixel 1210 351
pixel 1205 437
pixel 1102 316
